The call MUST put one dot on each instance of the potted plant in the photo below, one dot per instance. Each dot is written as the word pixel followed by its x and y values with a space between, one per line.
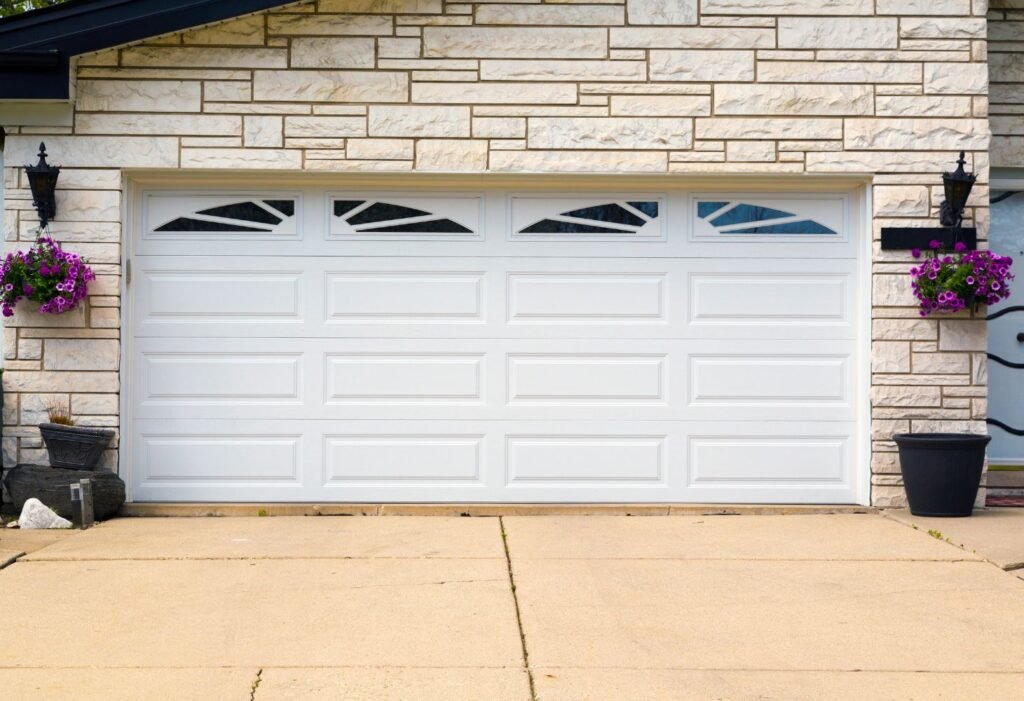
pixel 70 446
pixel 942 471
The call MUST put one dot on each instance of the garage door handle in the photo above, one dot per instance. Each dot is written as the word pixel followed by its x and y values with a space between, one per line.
pixel 1020 337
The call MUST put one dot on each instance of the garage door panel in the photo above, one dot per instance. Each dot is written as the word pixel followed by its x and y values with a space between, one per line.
pixel 544 346
pixel 772 459
pixel 725 461
pixel 738 298
pixel 588 378
pixel 494 379
pixel 587 298
pixel 432 458
pixel 496 298
pixel 367 378
pixel 179 297
pixel 552 461
pixel 426 296
pixel 235 456
pixel 576 460
pixel 211 377
pixel 225 377
pixel 813 381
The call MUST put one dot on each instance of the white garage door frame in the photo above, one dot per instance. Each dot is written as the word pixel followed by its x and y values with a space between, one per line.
pixel 858 190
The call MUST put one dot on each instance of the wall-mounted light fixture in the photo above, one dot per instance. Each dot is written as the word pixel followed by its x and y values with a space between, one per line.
pixel 42 179
pixel 957 186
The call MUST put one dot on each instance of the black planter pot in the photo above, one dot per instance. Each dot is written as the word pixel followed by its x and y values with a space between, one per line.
pixel 941 471
pixel 75 447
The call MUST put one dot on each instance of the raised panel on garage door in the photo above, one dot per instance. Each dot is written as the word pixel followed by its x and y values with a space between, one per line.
pixel 467 345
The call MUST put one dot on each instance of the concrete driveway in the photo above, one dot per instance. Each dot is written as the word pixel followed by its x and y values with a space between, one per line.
pixel 551 608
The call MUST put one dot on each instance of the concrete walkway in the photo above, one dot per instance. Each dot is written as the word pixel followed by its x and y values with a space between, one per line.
pixel 551 608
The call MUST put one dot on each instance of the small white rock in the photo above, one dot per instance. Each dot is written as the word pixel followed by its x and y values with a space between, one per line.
pixel 36 515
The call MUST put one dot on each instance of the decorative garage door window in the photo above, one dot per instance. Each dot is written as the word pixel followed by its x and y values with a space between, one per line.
pixel 751 217
pixel 260 216
pixel 389 216
pixel 599 218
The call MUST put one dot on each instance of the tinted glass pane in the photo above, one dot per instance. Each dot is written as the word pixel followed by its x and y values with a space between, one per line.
pixel 384 211
pixel 247 211
pixel 435 226
pixel 550 226
pixel 285 207
pixel 184 224
pixel 1006 235
pixel 706 209
pixel 648 208
pixel 342 207
pixel 797 227
pixel 748 213
pixel 607 212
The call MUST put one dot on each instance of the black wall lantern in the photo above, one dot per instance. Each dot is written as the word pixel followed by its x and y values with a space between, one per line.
pixel 42 178
pixel 958 186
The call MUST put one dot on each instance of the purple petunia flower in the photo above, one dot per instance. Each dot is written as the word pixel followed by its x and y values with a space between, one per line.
pixel 916 252
pixel 57 279
pixel 953 283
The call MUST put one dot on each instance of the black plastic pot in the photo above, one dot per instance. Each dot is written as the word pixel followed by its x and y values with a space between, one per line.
pixel 941 471
pixel 75 447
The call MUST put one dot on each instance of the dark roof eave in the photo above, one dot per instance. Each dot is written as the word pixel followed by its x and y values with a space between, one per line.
pixel 36 47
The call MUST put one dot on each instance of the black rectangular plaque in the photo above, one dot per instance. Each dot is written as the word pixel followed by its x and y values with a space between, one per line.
pixel 897 238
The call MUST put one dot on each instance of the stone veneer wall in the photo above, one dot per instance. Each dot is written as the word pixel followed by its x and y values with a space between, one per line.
pixel 1006 61
pixel 891 88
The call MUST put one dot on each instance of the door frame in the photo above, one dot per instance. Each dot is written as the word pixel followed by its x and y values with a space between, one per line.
pixel 1008 179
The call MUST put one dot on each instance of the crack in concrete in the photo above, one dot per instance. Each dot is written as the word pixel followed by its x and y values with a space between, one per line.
pixel 519 618
pixel 1007 567
pixel 256 684
pixel 11 560
pixel 248 558
pixel 426 584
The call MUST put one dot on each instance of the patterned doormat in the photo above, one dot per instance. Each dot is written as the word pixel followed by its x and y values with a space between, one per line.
pixel 1015 500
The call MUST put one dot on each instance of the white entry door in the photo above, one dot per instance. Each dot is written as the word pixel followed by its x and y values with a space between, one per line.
pixel 618 346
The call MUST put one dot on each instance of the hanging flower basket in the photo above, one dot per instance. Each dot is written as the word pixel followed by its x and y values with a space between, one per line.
pixel 47 274
pixel 963 280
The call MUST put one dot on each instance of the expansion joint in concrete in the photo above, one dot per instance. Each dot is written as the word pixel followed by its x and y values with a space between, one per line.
pixel 519 618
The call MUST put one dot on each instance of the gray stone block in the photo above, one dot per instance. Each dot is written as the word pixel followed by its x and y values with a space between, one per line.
pixel 52 486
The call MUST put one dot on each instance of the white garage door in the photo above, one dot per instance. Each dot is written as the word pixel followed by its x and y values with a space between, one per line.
pixel 623 346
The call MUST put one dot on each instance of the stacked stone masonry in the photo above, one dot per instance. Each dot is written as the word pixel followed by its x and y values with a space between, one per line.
pixel 890 89
pixel 1006 98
